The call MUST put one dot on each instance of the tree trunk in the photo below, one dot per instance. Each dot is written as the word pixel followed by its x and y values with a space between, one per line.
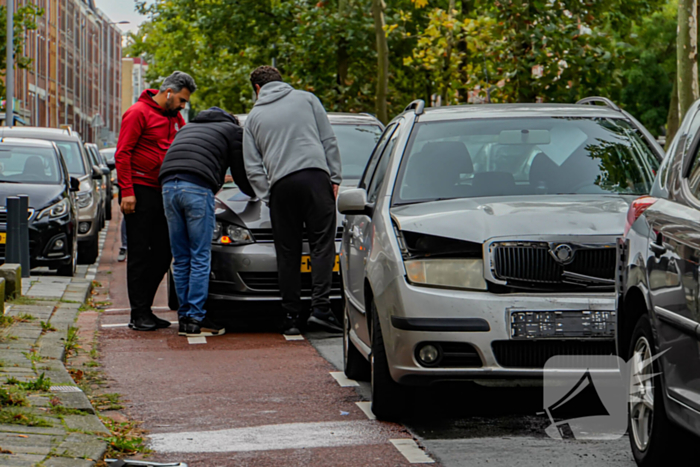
pixel 382 60
pixel 672 121
pixel 446 75
pixel 686 44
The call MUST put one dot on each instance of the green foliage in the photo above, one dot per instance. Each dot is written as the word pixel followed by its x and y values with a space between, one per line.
pixel 40 384
pixel 18 416
pixel 47 327
pixel 13 397
pixel 127 439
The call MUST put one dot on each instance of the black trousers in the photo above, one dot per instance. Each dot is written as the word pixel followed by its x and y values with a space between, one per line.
pixel 148 245
pixel 304 198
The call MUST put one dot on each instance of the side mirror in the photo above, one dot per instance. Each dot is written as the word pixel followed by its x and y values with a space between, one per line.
pixel 354 202
pixel 96 173
pixel 74 184
pixel 105 170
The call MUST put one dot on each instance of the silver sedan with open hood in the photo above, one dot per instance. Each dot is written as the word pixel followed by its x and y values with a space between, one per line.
pixel 480 242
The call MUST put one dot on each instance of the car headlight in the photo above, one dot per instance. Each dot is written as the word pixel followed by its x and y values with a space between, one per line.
pixel 57 210
pixel 452 273
pixel 84 199
pixel 231 235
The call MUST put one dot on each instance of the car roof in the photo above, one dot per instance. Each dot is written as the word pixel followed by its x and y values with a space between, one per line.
pixel 52 134
pixel 457 112
pixel 29 142
pixel 338 118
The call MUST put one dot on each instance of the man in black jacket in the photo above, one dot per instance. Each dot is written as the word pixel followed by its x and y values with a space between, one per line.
pixel 193 170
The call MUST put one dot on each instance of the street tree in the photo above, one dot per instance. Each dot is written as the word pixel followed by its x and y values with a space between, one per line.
pixel 25 17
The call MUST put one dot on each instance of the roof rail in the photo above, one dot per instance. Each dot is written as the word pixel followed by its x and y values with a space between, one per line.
pixel 417 106
pixel 597 99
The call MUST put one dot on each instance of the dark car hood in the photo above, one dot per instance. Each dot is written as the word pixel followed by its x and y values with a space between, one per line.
pixel 238 208
pixel 40 196
pixel 479 219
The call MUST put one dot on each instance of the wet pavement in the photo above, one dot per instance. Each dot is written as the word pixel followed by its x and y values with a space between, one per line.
pixel 252 398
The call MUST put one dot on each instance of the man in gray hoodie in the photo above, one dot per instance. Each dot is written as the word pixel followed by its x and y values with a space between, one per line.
pixel 293 163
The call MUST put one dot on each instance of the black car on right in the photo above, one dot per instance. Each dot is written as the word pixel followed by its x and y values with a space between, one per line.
pixel 658 329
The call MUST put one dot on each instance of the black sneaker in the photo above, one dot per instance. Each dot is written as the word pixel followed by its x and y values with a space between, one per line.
pixel 122 255
pixel 205 328
pixel 182 325
pixel 143 323
pixel 290 326
pixel 326 320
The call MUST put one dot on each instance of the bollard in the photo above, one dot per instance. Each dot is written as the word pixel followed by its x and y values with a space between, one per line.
pixel 24 235
pixel 12 248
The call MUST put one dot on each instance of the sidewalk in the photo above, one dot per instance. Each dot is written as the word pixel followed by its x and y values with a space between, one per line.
pixel 45 418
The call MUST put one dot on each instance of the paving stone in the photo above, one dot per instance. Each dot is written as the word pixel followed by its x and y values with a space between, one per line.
pixel 29 443
pixel 87 423
pixel 32 430
pixel 20 460
pixel 82 446
pixel 58 376
pixel 52 345
pixel 66 462
pixel 64 315
pixel 75 400
pixel 12 273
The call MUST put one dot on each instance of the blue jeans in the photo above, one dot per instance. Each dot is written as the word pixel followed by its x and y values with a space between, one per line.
pixel 189 209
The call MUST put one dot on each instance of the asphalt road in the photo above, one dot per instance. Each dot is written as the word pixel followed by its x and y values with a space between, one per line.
pixel 252 398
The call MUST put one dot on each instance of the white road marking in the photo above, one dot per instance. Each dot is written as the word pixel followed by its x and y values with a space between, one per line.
pixel 129 309
pixel 411 451
pixel 197 340
pixel 268 437
pixel 366 407
pixel 294 338
pixel 343 380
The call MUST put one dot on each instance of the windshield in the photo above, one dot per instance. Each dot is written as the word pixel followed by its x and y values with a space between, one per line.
pixel 73 157
pixel 524 157
pixel 29 165
pixel 356 143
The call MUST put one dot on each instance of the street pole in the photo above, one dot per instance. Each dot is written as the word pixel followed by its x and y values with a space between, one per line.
pixel 10 67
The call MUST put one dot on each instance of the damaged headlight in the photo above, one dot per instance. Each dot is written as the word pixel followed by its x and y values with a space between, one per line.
pixel 452 273
pixel 227 234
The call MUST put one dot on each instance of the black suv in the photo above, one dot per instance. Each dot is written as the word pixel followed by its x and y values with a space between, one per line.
pixel 35 168
pixel 658 328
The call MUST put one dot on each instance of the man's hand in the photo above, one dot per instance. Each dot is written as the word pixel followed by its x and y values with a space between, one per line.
pixel 335 190
pixel 128 204
pixel 228 179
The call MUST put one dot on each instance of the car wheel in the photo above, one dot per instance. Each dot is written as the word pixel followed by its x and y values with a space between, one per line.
pixel 390 400
pixel 68 270
pixel 654 438
pixel 108 208
pixel 173 301
pixel 88 251
pixel 355 365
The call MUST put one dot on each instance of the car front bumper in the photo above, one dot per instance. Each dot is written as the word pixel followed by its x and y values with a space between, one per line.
pixel 499 356
pixel 43 236
pixel 249 273
pixel 90 215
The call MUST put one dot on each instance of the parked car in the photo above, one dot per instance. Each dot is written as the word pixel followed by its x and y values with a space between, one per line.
pixel 244 264
pixel 100 160
pixel 96 161
pixel 79 166
pixel 481 240
pixel 658 305
pixel 35 168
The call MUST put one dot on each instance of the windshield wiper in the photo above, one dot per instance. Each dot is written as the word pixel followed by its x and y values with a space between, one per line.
pixel 9 181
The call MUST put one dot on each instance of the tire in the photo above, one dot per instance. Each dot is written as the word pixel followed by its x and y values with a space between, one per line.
pixel 173 301
pixel 108 207
pixel 390 400
pixel 68 270
pixel 88 251
pixel 661 440
pixel 355 365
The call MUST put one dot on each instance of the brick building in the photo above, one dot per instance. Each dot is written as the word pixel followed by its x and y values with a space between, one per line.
pixel 75 75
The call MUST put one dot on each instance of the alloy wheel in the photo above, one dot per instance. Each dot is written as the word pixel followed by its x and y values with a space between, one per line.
pixel 641 408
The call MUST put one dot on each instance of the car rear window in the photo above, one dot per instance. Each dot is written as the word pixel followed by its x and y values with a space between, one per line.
pixel 524 157
pixel 21 164
pixel 73 157
pixel 356 143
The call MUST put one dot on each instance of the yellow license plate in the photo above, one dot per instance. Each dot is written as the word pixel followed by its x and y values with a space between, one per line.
pixel 3 238
pixel 306 263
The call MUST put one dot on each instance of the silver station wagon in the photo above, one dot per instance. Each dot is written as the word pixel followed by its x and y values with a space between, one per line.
pixel 480 242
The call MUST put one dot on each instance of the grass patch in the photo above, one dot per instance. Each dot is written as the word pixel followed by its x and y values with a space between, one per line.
pixel 25 318
pixel 33 356
pixel 47 327
pixel 41 384
pixel 110 401
pixel 13 397
pixel 17 416
pixel 21 300
pixel 127 439
pixel 91 364
pixel 6 321
pixel 71 343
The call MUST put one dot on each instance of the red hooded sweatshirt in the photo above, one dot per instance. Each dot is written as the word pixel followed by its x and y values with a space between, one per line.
pixel 144 138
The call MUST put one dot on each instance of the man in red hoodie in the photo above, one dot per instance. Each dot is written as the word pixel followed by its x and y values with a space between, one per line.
pixel 148 128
